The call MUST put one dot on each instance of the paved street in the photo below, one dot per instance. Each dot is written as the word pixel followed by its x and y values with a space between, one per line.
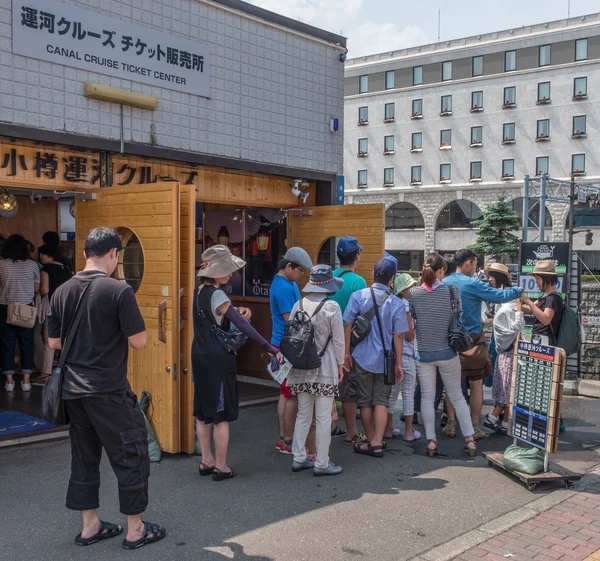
pixel 389 509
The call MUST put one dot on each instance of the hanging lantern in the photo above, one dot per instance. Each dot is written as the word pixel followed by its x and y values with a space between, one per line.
pixel 8 205
pixel 223 236
pixel 263 238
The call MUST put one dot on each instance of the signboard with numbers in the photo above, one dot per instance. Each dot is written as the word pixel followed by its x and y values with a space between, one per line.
pixel 538 374
pixel 531 253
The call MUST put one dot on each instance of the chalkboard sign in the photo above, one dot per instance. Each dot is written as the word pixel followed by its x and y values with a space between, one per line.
pixel 538 373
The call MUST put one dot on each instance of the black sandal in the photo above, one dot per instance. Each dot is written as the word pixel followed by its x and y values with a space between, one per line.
pixel 219 475
pixel 158 533
pixel 105 531
pixel 203 469
pixel 374 451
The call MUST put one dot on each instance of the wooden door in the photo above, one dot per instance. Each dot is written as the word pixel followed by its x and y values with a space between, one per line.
pixel 311 227
pixel 152 214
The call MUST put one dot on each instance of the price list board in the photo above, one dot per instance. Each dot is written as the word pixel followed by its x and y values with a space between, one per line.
pixel 538 375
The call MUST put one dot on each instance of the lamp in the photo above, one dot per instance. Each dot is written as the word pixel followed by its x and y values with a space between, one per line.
pixel 263 239
pixel 8 205
pixel 223 236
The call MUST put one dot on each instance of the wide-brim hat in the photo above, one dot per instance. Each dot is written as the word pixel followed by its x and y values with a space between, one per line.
pixel 498 268
pixel 218 261
pixel 402 282
pixel 544 268
pixel 322 280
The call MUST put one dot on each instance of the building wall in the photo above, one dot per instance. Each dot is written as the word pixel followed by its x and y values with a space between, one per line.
pixel 272 92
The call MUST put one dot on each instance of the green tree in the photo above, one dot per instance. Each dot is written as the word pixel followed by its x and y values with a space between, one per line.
pixel 495 236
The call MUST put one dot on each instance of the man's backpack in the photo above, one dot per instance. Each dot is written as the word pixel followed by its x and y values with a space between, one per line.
pixel 569 332
pixel 298 344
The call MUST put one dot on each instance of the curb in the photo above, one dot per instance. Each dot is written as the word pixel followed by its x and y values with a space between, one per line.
pixel 468 540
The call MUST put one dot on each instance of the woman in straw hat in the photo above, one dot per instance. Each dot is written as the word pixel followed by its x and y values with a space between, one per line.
pixel 508 323
pixel 216 401
pixel 316 389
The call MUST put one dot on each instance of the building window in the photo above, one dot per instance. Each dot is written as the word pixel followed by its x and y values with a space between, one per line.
pixel 510 61
pixel 581 49
pixel 508 133
pixel 446 71
pixel 415 174
pixel 542 164
pixel 417 75
pixel 363 84
pixel 508 169
pixel 446 108
pixel 476 136
pixel 458 214
pixel 362 178
pixel 477 67
pixel 544 55
pixel 417 141
pixel 363 115
pixel 543 92
pixel 403 216
pixel 417 108
pixel 445 173
pixel 475 171
pixel 388 144
pixel 363 147
pixel 446 139
pixel 543 129
pixel 510 97
pixel 388 176
pixel 580 88
pixel 390 112
pixel 579 126
pixel 477 101
pixel 390 80
pixel 578 164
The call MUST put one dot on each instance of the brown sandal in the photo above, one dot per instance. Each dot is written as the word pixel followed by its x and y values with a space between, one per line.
pixel 471 450
pixel 203 469
pixel 431 452
pixel 358 438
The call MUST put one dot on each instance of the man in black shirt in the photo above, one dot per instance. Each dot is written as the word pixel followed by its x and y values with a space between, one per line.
pixel 102 409
pixel 53 239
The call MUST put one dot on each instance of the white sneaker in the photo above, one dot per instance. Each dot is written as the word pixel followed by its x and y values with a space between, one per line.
pixel 25 386
pixel 9 387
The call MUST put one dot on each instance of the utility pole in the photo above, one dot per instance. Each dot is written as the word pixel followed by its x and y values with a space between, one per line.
pixel 569 9
pixel 543 195
pixel 525 208
pixel 571 221
pixel 440 24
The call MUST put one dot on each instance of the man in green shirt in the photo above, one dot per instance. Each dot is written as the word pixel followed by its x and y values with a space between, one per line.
pixel 348 252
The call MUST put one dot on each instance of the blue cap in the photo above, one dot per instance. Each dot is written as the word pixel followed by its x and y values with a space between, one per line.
pixel 391 258
pixel 385 266
pixel 348 244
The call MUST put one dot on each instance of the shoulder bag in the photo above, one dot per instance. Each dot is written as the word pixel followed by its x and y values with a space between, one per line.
pixel 389 356
pixel 21 315
pixel 459 339
pixel 53 406
pixel 362 324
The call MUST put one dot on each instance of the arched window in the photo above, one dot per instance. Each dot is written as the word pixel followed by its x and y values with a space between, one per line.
pixel 327 254
pixel 534 212
pixel 403 216
pixel 458 214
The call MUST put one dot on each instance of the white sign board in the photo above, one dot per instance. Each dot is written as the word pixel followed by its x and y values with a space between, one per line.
pixel 60 33
pixel 590 320
pixel 582 196
pixel 528 284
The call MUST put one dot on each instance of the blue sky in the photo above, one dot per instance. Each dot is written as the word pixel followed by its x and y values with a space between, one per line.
pixel 374 26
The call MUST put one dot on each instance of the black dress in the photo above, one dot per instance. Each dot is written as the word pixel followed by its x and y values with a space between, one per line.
pixel 214 368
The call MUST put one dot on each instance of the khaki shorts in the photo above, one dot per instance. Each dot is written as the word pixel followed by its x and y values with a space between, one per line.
pixel 370 388
pixel 347 388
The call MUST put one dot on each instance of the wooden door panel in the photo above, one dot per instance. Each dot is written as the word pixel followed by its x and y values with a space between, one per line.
pixel 365 222
pixel 151 212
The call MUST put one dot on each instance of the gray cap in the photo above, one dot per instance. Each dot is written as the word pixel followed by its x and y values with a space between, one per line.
pixel 298 256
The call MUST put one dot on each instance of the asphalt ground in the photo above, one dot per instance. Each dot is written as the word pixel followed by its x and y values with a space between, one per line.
pixel 385 509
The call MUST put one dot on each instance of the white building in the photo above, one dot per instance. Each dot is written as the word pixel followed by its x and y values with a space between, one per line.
pixel 438 131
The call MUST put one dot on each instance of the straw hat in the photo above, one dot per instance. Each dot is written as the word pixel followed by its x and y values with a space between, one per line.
pixel 217 262
pixel 402 282
pixel 544 268
pixel 323 281
pixel 498 268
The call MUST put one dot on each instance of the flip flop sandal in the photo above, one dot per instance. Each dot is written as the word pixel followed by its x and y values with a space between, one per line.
pixel 105 531
pixel 374 451
pixel 356 439
pixel 222 475
pixel 203 469
pixel 338 431
pixel 158 533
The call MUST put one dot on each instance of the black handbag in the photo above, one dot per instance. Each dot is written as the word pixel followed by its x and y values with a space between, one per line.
pixel 459 339
pixel 389 355
pixel 53 406
pixel 231 339
pixel 362 324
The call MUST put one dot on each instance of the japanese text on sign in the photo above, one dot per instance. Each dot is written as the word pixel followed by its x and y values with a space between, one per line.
pixel 61 33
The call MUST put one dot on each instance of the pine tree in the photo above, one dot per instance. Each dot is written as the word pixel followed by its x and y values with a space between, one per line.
pixel 495 236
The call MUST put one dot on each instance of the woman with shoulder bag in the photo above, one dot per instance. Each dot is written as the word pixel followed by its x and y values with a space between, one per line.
pixel 431 306
pixel 219 329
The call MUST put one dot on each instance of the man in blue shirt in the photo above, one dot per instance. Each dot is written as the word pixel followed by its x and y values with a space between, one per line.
pixel 368 358
pixel 475 363
pixel 283 295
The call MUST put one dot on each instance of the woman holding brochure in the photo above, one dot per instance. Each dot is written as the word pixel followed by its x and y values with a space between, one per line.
pixel 316 389
pixel 216 402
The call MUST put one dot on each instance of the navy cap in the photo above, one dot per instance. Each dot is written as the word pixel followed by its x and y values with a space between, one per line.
pixel 386 266
pixel 348 244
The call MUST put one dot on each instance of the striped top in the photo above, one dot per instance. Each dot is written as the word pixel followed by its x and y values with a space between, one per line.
pixel 432 312
pixel 17 281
